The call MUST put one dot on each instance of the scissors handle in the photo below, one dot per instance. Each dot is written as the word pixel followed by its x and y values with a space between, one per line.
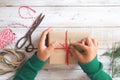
pixel 29 48
pixel 23 40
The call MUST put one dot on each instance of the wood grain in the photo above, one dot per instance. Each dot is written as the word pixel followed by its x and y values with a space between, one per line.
pixel 106 36
pixel 61 3
pixel 64 17
pixel 99 17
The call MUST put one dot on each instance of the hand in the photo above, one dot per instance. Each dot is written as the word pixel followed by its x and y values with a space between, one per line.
pixel 89 46
pixel 44 51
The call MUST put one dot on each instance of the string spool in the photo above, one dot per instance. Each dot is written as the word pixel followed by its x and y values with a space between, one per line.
pixel 7 65
pixel 6 37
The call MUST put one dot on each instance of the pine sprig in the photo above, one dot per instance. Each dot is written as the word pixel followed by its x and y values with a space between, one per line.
pixel 114 54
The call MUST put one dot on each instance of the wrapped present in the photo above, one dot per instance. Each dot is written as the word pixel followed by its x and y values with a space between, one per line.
pixel 61 54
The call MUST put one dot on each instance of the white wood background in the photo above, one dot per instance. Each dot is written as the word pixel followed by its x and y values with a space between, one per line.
pixel 100 17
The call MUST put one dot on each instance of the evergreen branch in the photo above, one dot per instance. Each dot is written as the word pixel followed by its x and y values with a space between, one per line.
pixel 114 54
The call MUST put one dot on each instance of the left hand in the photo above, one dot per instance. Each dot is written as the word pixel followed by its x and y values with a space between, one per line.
pixel 44 51
pixel 90 47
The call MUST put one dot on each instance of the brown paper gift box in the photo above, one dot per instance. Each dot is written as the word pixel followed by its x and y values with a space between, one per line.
pixel 58 56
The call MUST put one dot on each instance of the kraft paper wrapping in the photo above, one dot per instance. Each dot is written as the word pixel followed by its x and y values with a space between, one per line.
pixel 58 56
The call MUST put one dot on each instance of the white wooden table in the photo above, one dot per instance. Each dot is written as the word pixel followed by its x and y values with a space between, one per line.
pixel 100 17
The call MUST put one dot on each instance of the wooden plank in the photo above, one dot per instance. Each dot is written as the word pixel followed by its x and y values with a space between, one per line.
pixel 55 75
pixel 59 2
pixel 106 36
pixel 7 76
pixel 64 17
pixel 62 75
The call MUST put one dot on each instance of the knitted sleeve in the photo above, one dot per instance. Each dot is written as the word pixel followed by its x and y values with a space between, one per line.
pixel 30 69
pixel 94 70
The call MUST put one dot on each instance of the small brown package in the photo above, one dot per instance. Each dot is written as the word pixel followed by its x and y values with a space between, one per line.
pixel 58 56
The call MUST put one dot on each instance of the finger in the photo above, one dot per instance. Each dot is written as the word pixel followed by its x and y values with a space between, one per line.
pixel 83 42
pixel 81 45
pixel 95 42
pixel 70 51
pixel 43 36
pixel 52 46
pixel 77 53
pixel 89 41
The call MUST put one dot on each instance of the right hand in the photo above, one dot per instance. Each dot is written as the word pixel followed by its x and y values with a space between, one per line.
pixel 90 47
pixel 44 52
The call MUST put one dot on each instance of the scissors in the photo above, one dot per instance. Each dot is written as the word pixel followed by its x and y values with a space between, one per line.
pixel 22 41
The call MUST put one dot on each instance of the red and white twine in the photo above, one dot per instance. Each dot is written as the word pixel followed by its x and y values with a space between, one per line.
pixel 6 37
pixel 28 8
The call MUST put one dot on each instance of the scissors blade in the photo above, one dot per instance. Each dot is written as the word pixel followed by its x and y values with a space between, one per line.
pixel 36 23
pixel 38 20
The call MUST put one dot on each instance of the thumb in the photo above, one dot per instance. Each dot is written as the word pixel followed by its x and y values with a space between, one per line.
pixel 77 53
pixel 52 46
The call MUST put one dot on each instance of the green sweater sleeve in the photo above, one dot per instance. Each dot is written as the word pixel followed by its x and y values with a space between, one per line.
pixel 94 70
pixel 30 69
